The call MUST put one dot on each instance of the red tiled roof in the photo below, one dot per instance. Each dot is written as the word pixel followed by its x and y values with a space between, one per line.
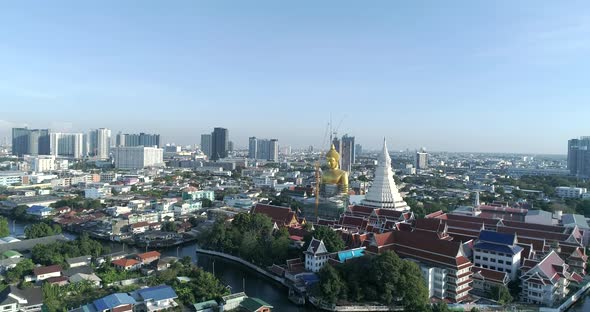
pixel 492 275
pixel 535 226
pixel 47 269
pixel 57 279
pixel 149 255
pixel 125 262
pixel 280 215
pixel 433 225
pixel 139 224
pixel 523 232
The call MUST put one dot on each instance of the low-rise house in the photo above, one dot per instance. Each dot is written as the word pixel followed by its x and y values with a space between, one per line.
pixel 251 304
pixel 156 298
pixel 206 306
pixel 81 277
pixel 45 272
pixel 8 264
pixel 13 299
pixel 139 227
pixel 58 280
pixel 232 301
pixel 316 255
pixel 11 254
pixel 126 264
pixel 79 261
pixel 117 302
pixel 485 279
pixel 545 282
pixel 40 211
pixel 148 257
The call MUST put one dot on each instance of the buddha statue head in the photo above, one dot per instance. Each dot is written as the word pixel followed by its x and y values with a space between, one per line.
pixel 333 158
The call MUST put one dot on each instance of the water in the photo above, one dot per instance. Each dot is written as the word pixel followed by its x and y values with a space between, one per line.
pixel 581 306
pixel 232 274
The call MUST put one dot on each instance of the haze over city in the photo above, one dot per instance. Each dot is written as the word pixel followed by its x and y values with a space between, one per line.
pixel 462 76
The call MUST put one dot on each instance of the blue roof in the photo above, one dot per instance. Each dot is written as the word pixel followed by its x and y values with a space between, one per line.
pixel 112 301
pixel 309 279
pixel 157 293
pixel 496 238
pixel 511 250
pixel 38 208
pixel 349 254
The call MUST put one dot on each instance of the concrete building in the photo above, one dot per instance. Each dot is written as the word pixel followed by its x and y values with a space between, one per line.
pixel 11 177
pixel 252 147
pixel 219 143
pixel 421 160
pixel 578 156
pixel 138 157
pixel 30 141
pixel 99 143
pixel 41 163
pixel 141 139
pixel 498 252
pixel 206 141
pixel 570 192
pixel 545 282
pixel 316 255
pixel 67 144
pixel 347 155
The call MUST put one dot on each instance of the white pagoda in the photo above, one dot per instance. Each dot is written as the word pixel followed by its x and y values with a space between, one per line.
pixel 383 192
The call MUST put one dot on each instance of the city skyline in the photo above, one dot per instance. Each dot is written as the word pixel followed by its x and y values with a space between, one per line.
pixel 475 77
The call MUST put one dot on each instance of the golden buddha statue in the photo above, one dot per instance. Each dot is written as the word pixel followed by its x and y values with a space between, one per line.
pixel 334 178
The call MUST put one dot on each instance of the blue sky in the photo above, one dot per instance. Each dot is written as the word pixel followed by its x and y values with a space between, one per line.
pixel 504 76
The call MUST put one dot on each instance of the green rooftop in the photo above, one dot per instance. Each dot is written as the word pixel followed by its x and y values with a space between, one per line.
pixel 11 254
pixel 253 304
pixel 205 305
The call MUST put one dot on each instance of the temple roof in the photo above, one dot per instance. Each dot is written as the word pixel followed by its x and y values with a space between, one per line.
pixel 383 192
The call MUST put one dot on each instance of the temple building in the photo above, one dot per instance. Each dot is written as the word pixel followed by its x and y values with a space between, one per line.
pixel 383 193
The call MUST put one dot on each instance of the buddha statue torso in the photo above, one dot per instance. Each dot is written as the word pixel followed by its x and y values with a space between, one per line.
pixel 334 180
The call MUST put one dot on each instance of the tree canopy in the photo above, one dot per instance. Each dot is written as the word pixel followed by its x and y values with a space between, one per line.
pixel 4 229
pixel 384 278
pixel 251 237
pixel 41 230
pixel 58 252
pixel 332 240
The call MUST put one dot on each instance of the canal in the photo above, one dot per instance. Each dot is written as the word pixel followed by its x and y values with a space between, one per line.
pixel 230 273
pixel 237 276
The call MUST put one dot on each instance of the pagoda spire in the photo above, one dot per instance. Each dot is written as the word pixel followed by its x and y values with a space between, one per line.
pixel 383 193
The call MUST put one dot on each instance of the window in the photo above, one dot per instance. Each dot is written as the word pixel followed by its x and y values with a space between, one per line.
pixel 500 254
pixel 509 262
pixel 508 271
pixel 477 257
pixel 485 258
pixel 501 269
pixel 485 266
pixel 492 260
pixel 500 261
pixel 492 268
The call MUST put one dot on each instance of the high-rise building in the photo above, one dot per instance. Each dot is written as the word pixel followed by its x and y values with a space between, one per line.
pixel 99 143
pixel 347 154
pixel 206 144
pixel 263 149
pixel 252 147
pixel 137 157
pixel 219 142
pixel 67 144
pixel 273 150
pixel 421 160
pixel 358 150
pixel 30 141
pixel 141 139
pixel 230 146
pixel 578 156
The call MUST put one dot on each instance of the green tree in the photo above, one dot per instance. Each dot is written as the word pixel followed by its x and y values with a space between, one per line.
pixel 440 307
pixel 332 240
pixel 331 286
pixel 207 203
pixel 41 230
pixel 169 226
pixel 501 294
pixel 21 269
pixel 4 229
